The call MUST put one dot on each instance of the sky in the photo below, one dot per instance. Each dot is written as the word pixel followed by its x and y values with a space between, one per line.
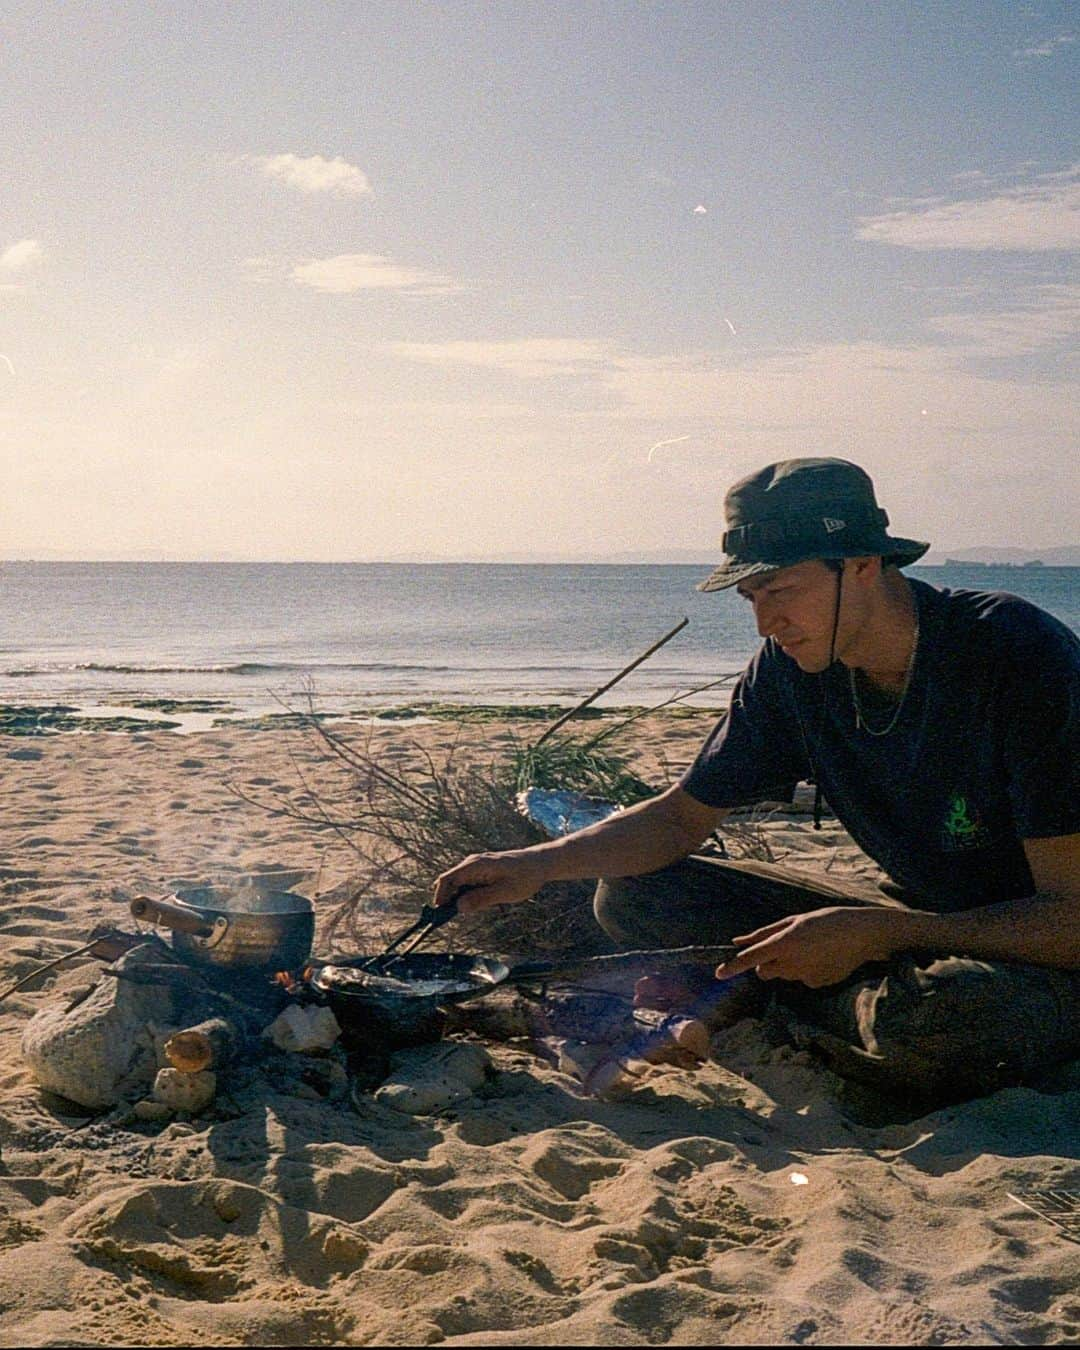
pixel 368 280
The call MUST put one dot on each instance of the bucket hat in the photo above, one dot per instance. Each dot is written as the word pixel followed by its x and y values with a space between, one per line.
pixel 799 509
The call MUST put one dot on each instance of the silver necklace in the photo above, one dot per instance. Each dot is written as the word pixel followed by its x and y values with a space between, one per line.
pixel 861 723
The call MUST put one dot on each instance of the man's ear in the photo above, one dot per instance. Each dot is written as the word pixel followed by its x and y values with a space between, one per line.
pixel 865 570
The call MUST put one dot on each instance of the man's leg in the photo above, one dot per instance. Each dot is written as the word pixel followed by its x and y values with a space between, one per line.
pixel 707 901
pixel 943 1030
pixel 927 1030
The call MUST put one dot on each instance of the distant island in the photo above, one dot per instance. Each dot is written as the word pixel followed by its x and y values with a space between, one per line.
pixel 987 555
pixel 968 562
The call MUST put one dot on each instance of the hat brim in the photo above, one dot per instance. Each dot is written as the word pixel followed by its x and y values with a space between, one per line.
pixel 899 552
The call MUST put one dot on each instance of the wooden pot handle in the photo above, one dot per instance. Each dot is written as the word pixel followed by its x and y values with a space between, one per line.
pixel 177 917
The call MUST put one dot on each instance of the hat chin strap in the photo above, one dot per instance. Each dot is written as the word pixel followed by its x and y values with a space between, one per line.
pixel 825 689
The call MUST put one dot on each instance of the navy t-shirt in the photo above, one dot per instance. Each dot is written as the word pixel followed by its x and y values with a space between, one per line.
pixel 984 752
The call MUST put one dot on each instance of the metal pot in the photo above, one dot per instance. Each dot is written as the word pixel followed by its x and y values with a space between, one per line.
pixel 235 927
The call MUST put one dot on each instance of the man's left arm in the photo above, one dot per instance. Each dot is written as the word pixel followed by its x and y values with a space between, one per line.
pixel 1043 928
pixel 824 946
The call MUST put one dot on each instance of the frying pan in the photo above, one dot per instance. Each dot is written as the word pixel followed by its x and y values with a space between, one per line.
pixel 398 1000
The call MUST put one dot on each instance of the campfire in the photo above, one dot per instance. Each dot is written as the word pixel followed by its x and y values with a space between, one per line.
pixel 171 1019
pixel 171 1016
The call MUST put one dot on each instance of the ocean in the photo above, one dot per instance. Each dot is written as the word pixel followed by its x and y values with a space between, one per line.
pixel 258 636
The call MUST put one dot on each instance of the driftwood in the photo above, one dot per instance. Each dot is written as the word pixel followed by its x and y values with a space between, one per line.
pixel 108 946
pixel 210 1045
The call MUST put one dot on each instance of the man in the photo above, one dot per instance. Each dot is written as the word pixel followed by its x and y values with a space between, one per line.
pixel 943 728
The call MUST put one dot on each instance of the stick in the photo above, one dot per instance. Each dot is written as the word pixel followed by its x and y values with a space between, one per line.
pixel 605 687
pixel 27 979
pixel 624 964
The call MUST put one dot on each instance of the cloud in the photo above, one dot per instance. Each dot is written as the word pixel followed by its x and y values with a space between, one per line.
pixel 313 173
pixel 1037 50
pixel 23 254
pixel 532 358
pixel 1040 215
pixel 1051 318
pixel 349 272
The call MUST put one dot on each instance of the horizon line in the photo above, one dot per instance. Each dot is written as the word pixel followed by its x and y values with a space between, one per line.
pixel 937 558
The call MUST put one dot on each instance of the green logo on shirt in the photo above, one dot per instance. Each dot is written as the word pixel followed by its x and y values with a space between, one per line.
pixel 963 827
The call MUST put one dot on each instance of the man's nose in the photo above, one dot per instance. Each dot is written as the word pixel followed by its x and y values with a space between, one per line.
pixel 764 617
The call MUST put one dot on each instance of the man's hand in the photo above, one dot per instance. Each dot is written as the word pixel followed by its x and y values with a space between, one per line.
pixel 491 879
pixel 819 948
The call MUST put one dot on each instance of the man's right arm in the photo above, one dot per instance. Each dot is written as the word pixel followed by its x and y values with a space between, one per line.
pixel 641 839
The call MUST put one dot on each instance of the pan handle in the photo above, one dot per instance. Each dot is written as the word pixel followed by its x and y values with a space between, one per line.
pixel 533 972
pixel 177 917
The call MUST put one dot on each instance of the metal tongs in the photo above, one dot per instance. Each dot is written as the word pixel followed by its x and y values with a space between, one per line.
pixel 431 918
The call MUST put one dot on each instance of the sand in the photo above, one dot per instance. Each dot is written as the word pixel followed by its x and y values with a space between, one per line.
pixel 741 1204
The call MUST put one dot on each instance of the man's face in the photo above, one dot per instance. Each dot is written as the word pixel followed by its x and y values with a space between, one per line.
pixel 796 606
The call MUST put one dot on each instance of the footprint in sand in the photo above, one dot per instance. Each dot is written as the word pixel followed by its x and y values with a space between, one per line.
pixel 36 912
pixel 660 1314
pixel 685 1215
pixel 337 1181
pixel 572 1165
pixel 211 1239
pixel 1031 1293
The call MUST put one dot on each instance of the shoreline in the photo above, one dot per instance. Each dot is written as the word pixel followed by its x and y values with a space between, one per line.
pixel 191 716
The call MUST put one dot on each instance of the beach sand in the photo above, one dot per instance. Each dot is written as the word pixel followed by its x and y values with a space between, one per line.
pixel 742 1204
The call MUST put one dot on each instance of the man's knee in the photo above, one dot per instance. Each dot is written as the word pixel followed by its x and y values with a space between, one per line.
pixel 955 1028
pixel 621 908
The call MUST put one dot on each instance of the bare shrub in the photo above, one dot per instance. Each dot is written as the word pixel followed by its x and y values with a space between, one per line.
pixel 408 825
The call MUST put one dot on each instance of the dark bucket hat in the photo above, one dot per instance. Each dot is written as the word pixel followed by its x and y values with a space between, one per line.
pixel 799 509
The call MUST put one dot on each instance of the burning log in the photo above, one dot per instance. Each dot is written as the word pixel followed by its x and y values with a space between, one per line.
pixel 592 1036
pixel 659 1038
pixel 577 1015
pixel 210 1045
pixel 611 1070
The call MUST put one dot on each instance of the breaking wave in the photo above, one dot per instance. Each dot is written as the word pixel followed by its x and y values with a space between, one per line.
pixel 275 667
pixel 225 668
